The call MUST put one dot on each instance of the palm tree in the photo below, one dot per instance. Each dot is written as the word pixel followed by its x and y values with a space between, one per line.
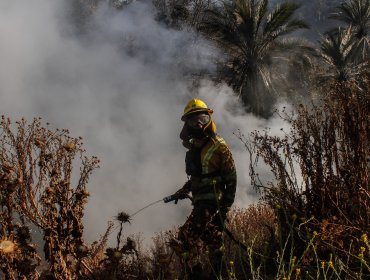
pixel 343 55
pixel 253 41
pixel 356 13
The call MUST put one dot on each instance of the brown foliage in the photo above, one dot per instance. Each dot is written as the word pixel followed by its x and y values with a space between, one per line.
pixel 254 227
pixel 42 196
pixel 37 191
pixel 163 262
pixel 322 170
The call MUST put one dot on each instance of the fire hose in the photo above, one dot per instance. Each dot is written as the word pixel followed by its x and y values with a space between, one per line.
pixel 176 198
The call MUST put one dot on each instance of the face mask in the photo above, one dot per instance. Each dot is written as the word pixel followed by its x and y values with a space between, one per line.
pixel 188 133
pixel 196 133
pixel 198 121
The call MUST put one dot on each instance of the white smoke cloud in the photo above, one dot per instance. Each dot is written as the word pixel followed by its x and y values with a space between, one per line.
pixel 127 107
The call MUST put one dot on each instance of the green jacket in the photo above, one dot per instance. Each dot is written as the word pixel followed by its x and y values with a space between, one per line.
pixel 215 182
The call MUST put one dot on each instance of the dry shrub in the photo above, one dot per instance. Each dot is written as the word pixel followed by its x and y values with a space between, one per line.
pixel 254 227
pixel 124 261
pixel 37 191
pixel 40 190
pixel 163 262
pixel 97 250
pixel 322 173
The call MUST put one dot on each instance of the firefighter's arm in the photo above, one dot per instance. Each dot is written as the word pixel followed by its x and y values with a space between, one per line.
pixel 184 191
pixel 228 173
pixel 180 194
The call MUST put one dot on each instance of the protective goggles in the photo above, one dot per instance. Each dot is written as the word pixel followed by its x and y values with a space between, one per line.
pixel 198 120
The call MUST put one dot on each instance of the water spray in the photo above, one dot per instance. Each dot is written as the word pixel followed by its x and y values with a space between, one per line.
pixel 141 209
pixel 165 200
pixel 176 198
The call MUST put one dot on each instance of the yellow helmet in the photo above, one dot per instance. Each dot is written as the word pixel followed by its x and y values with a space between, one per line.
pixel 194 106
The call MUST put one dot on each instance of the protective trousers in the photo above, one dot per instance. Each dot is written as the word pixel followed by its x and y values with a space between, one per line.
pixel 206 224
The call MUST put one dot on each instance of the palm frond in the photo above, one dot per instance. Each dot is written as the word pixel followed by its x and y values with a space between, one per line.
pixel 295 24
pixel 296 47
pixel 261 13
pixel 287 29
pixel 246 13
pixel 279 17
pixel 355 13
pixel 219 26
pixel 301 55
pixel 343 54
pixel 251 38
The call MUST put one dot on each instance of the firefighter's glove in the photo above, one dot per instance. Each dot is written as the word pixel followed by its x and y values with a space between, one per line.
pixel 184 191
pixel 180 194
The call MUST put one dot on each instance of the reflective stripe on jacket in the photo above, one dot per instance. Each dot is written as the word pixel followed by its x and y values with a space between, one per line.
pixel 218 163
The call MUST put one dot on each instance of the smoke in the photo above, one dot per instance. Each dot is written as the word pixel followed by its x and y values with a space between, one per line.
pixel 122 87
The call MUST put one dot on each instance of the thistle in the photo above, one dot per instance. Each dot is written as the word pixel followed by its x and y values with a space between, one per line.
pixel 123 217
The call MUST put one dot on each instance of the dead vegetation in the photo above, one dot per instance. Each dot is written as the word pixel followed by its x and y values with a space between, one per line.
pixel 322 173
pixel 254 226
pixel 314 221
pixel 38 193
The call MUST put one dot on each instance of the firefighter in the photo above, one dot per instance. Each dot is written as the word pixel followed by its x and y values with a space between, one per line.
pixel 212 183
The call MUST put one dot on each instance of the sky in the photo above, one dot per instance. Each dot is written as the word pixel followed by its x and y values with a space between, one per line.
pixel 122 88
